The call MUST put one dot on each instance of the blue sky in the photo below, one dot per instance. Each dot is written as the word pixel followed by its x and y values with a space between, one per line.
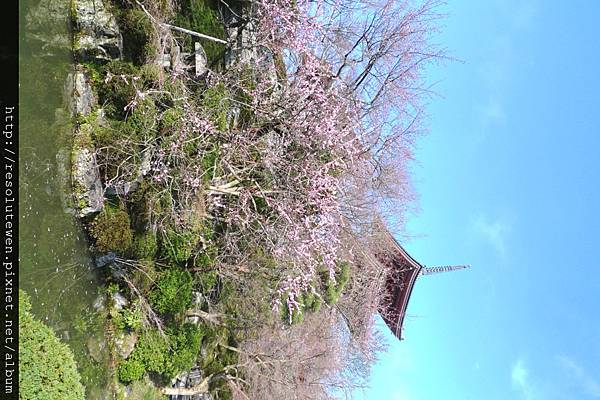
pixel 509 181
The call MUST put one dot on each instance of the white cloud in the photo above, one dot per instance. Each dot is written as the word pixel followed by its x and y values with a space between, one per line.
pixel 521 381
pixel 494 231
pixel 587 383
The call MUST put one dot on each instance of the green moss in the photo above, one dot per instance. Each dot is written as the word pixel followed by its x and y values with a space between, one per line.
pixel 144 390
pixel 215 100
pixel 207 280
pixel 202 16
pixel 47 366
pixel 173 291
pixel 171 120
pixel 116 91
pixel 138 31
pixel 246 115
pixel 72 13
pixel 280 69
pixel 178 246
pixel 111 230
pixel 210 163
pixel 144 246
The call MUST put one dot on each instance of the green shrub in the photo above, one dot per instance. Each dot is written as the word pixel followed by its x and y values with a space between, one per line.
pixel 131 318
pixel 312 302
pixel 151 74
pixel 333 290
pixel 169 356
pixel 47 367
pixel 152 350
pixel 95 73
pixel 111 230
pixel 141 122
pixel 131 370
pixel 297 315
pixel 178 247
pixel 144 276
pixel 145 246
pixel 205 258
pixel 173 291
pixel 185 343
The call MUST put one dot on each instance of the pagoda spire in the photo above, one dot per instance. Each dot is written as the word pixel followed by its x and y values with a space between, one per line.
pixel 444 268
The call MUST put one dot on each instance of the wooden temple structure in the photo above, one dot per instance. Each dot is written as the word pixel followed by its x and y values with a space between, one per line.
pixel 403 273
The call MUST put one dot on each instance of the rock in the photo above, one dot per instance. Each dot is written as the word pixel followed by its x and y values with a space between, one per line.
pixel 96 33
pixel 87 186
pixel 117 271
pixel 119 301
pixel 78 94
pixel 104 260
pixel 198 301
pixel 100 303
pixel 187 380
pixel 47 24
pixel 201 61
pixel 96 347
pixel 125 343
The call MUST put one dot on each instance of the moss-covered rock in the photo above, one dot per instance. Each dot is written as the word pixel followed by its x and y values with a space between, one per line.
pixel 96 33
pixel 138 32
pixel 85 174
pixel 111 230
pixel 117 88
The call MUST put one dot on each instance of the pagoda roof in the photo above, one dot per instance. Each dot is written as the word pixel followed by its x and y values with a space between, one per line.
pixel 400 283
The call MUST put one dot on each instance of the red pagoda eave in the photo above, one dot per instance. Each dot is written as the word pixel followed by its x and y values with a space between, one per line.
pixel 400 285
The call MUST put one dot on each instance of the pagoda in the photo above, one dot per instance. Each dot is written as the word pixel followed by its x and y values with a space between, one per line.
pixel 403 273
